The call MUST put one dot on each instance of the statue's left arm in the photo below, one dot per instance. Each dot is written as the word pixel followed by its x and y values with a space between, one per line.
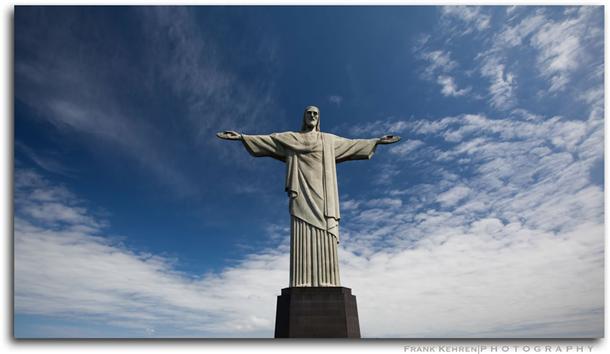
pixel 359 149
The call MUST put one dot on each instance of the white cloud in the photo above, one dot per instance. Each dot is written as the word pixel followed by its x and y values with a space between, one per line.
pixel 404 148
pixel 564 47
pixel 453 196
pixel 502 85
pixel 438 61
pixel 378 127
pixel 390 170
pixel 515 35
pixel 349 204
pixel 384 203
pixel 449 87
pixel 80 275
pixel 490 280
pixel 469 16
pixel 560 46
pixel 593 96
pixel 74 269
pixel 511 9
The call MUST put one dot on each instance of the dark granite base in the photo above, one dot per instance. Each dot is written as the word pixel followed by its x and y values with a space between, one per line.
pixel 317 312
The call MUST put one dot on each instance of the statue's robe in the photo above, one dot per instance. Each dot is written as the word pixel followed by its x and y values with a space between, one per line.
pixel 311 184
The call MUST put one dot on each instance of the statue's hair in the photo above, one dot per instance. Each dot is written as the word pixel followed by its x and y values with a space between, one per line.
pixel 303 125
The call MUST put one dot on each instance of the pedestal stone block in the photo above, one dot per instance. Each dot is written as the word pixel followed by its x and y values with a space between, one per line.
pixel 317 312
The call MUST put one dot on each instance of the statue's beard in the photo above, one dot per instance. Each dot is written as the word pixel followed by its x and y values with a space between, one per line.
pixel 307 125
pixel 310 126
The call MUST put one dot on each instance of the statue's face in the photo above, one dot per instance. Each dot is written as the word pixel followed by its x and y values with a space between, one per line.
pixel 312 116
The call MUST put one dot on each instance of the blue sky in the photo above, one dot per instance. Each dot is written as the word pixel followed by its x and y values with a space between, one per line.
pixel 133 220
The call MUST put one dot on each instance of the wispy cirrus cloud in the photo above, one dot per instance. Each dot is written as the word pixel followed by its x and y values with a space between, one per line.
pixel 48 160
pixel 192 63
pixel 561 45
pixel 560 42
pixel 406 147
pixel 502 85
pixel 463 20
pixel 80 86
pixel 450 88
pixel 515 35
pixel 438 61
pixel 75 96
pixel 439 66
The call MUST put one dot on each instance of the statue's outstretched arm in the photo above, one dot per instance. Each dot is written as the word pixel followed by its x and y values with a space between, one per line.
pixel 359 149
pixel 257 145
pixel 229 135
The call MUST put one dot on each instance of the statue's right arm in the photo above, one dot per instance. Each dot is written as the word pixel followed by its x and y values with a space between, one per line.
pixel 262 145
pixel 229 135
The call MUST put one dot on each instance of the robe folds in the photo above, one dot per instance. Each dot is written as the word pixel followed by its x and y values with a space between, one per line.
pixel 311 184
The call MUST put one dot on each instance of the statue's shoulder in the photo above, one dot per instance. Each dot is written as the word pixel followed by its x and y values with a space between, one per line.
pixel 286 138
pixel 284 134
pixel 330 136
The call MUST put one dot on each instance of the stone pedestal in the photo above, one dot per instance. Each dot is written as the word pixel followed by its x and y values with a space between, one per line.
pixel 317 312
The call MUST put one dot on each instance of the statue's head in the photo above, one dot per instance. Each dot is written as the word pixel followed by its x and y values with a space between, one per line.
pixel 311 118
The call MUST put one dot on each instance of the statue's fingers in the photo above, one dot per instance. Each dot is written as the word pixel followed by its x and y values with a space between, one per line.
pixel 225 135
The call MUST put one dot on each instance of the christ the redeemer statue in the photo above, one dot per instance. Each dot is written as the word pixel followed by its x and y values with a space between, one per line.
pixel 311 183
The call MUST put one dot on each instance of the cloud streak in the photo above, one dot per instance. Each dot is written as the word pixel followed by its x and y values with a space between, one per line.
pixel 467 18
pixel 80 87
pixel 450 88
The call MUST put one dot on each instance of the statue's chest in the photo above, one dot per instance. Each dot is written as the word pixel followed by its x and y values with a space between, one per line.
pixel 310 144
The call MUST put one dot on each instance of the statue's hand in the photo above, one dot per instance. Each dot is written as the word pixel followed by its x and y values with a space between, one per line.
pixel 388 139
pixel 229 135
